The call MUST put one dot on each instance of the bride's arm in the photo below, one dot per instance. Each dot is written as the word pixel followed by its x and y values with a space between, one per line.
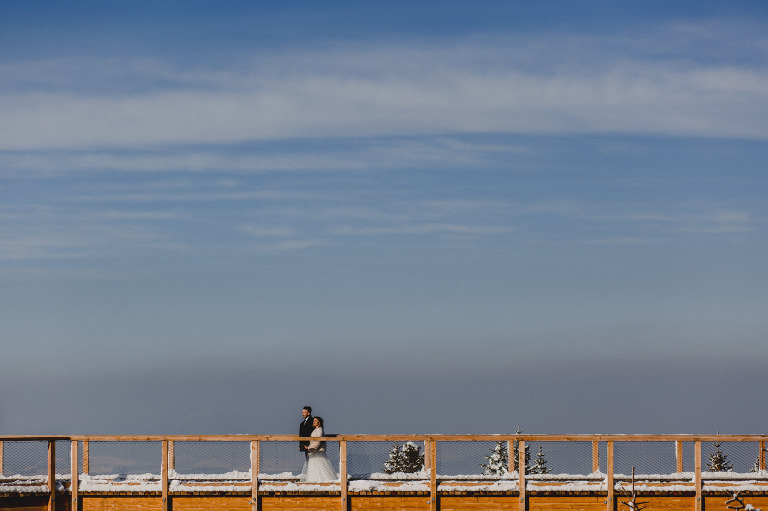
pixel 315 444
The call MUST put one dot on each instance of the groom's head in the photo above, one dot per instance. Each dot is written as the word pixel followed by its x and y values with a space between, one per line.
pixel 306 411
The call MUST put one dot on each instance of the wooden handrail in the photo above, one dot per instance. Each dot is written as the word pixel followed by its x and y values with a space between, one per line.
pixel 401 438
pixel 430 442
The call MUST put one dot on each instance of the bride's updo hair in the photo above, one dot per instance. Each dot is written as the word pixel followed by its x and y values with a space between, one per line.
pixel 320 420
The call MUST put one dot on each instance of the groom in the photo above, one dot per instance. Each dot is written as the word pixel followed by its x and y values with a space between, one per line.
pixel 305 428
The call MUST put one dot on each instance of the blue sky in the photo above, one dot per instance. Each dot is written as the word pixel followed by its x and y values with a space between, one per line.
pixel 447 217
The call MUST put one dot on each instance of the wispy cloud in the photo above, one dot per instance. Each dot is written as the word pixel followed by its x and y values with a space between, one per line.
pixel 480 85
pixel 422 229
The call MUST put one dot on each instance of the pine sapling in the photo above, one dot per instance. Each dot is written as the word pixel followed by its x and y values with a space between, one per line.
pixel 405 458
pixel 497 460
pixel 540 464
pixel 718 460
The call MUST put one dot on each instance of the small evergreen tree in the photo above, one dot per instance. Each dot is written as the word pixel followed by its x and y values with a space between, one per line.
pixel 497 461
pixel 718 460
pixel 405 458
pixel 539 464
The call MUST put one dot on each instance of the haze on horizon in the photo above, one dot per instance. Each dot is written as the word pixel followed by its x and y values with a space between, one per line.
pixel 441 217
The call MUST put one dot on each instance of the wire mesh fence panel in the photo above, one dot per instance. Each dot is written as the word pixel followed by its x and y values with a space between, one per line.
pixel 602 457
pixel 280 457
pixel 740 457
pixel 81 456
pixel 211 457
pixel 381 457
pixel 285 458
pixel 559 457
pixel 544 457
pixel 689 456
pixel 117 457
pixel 471 457
pixel 63 456
pixel 27 458
pixel 645 457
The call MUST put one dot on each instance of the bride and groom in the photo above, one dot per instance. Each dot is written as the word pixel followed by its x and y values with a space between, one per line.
pixel 317 466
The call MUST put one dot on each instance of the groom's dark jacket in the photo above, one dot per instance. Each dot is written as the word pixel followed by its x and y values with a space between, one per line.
pixel 305 429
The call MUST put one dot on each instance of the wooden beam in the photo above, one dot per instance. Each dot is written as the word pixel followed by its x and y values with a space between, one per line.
pixel 255 469
pixel 164 475
pixel 343 474
pixel 595 456
pixel 171 455
pixel 432 475
pixel 521 472
pixel 609 503
pixel 86 457
pixel 52 475
pixel 697 475
pixel 679 455
pixel 74 471
pixel 510 456
pixel 405 438
pixel 760 456
pixel 2 458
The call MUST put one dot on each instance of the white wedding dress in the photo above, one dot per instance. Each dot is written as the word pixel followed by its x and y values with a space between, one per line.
pixel 317 467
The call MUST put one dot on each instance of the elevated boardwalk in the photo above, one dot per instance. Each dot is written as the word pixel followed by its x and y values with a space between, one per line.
pixel 260 472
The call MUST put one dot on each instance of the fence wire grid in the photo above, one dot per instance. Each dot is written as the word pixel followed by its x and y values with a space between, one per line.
pixel 367 458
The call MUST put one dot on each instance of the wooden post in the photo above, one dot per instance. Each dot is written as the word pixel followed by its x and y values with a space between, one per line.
pixel 521 472
pixel 52 475
pixel 679 455
pixel 171 455
pixel 427 459
pixel 432 475
pixel 343 474
pixel 510 456
pixel 164 475
pixel 255 469
pixel 74 472
pixel 609 503
pixel 760 456
pixel 595 456
pixel 2 459
pixel 86 457
pixel 697 475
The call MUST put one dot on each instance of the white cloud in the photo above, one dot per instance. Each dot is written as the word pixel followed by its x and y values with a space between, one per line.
pixel 487 85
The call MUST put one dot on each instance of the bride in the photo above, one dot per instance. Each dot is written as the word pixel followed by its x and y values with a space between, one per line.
pixel 317 467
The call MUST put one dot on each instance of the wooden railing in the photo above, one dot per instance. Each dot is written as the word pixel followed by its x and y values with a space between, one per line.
pixel 430 443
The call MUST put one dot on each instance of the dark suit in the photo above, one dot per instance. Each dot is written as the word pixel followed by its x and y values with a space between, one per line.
pixel 305 429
